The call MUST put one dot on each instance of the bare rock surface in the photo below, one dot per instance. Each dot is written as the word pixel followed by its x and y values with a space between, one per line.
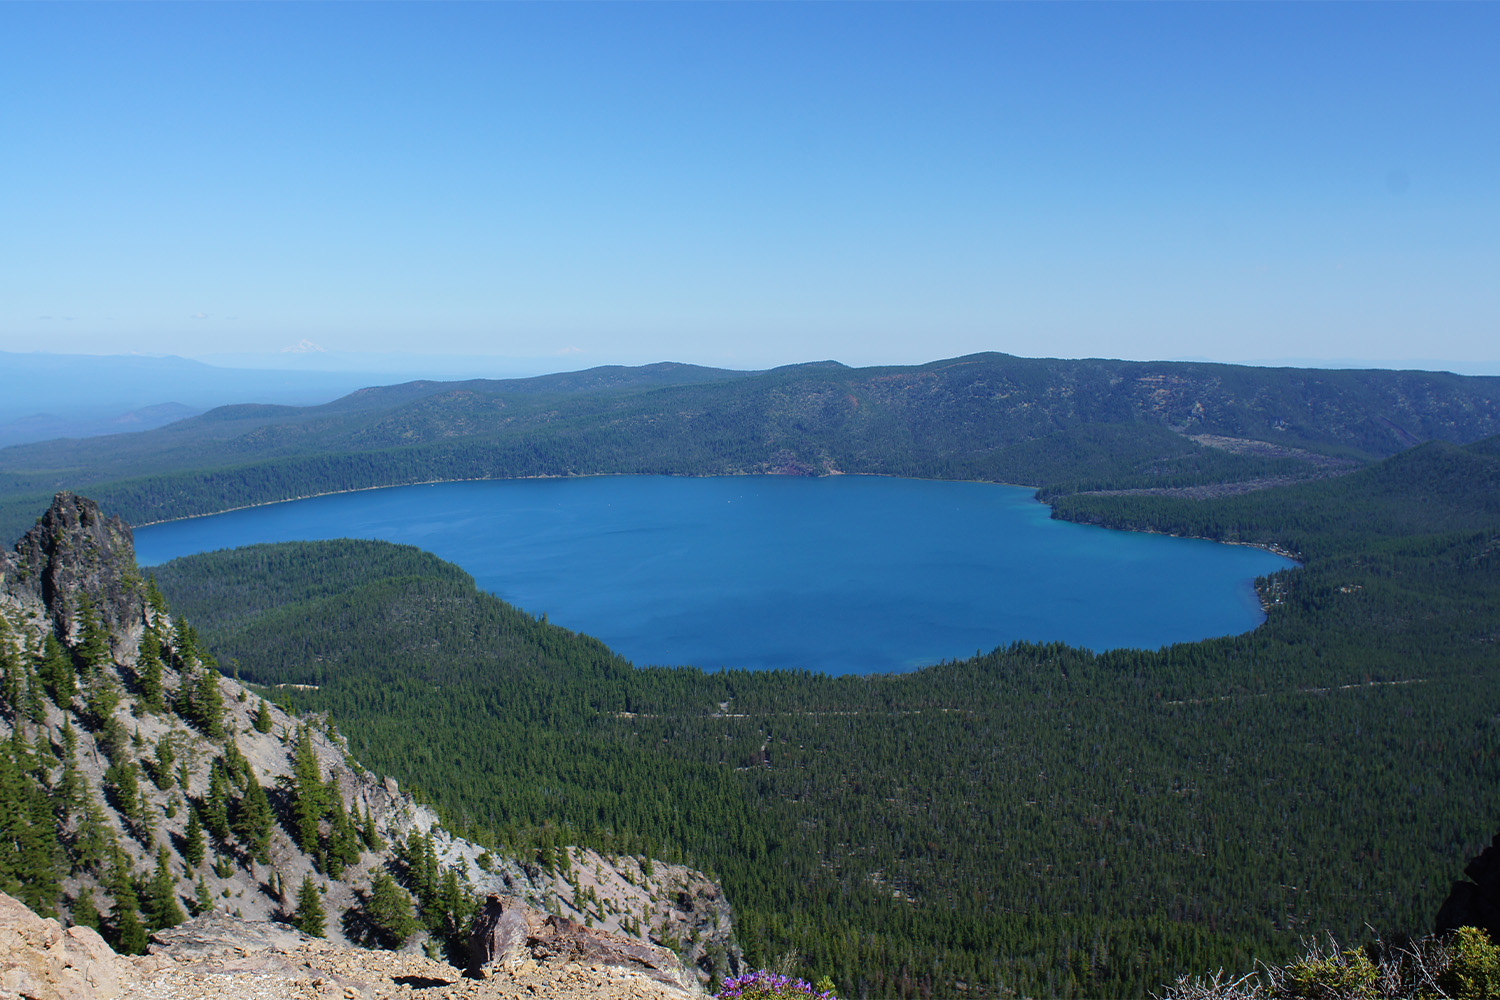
pixel 40 960
pixel 352 974
pixel 217 934
pixel 507 934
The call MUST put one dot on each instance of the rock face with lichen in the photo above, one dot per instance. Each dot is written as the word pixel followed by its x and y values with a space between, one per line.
pixel 74 555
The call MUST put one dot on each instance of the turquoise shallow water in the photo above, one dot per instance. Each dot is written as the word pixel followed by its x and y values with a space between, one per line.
pixel 845 574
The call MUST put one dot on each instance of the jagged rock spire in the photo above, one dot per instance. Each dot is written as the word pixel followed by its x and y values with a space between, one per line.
pixel 73 552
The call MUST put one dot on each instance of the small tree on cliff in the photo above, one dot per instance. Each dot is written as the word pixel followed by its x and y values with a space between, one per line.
pixel 309 917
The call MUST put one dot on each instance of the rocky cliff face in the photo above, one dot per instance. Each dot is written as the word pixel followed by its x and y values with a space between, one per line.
pixel 135 750
pixel 75 552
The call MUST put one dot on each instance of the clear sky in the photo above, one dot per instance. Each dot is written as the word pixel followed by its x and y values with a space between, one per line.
pixel 748 185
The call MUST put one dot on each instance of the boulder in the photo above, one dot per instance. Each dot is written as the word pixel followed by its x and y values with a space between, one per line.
pixel 39 960
pixel 508 932
pixel 216 934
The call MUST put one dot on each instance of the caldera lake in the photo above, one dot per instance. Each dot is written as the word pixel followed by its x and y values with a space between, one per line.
pixel 843 574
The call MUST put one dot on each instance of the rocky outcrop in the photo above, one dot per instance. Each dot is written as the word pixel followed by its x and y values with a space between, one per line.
pixel 40 960
pixel 216 933
pixel 1476 903
pixel 508 933
pixel 74 551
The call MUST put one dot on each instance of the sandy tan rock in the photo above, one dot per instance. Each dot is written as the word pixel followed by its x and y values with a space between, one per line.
pixel 41 961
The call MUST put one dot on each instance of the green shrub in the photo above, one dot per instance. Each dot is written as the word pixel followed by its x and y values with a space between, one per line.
pixel 1473 973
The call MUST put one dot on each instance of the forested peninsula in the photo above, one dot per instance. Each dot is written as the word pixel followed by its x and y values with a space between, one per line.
pixel 1037 819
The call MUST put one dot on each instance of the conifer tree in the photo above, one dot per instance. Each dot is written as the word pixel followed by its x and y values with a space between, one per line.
pixel 184 644
pixel 162 909
pixel 148 668
pixel 163 762
pixel 193 841
pixel 154 599
pixel 310 917
pixel 29 854
pixel 203 898
pixel 216 802
pixel 369 834
pixel 263 718
pixel 387 910
pixel 251 820
pixel 455 906
pixel 127 932
pixel 122 786
pixel 12 678
pixel 71 788
pixel 85 910
pixel 205 703
pixel 309 798
pixel 344 844
pixel 93 642
pixel 95 840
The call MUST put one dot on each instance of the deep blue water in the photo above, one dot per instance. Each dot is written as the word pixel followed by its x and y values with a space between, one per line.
pixel 846 574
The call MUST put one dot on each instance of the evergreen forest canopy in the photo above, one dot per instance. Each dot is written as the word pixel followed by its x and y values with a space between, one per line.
pixel 1069 426
pixel 1038 819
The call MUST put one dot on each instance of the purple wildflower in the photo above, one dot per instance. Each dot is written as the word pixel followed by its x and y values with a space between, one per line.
pixel 763 984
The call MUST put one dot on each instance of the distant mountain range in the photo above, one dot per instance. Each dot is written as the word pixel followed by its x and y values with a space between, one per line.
pixel 1066 425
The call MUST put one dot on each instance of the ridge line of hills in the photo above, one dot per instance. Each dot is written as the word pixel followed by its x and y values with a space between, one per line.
pixel 1068 426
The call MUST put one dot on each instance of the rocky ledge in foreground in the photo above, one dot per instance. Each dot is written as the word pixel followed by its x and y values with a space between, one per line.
pixel 222 958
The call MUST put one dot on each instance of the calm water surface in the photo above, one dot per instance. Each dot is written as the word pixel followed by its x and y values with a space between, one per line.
pixel 846 574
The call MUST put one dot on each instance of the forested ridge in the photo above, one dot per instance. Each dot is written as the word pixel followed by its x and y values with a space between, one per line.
pixel 1037 819
pixel 1067 425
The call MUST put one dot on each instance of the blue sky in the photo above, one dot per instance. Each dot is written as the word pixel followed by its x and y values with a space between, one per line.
pixel 748 185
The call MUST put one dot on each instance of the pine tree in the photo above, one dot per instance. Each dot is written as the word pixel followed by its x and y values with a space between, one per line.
pixel 122 786
pixel 193 841
pixel 12 677
pixel 203 898
pixel 184 643
pixel 126 930
pixel 165 759
pixel 95 840
pixel 208 704
pixel 251 820
pixel 455 906
pixel 388 912
pixel 344 844
pixel 216 802
pixel 154 600
pixel 309 918
pixel 309 797
pixel 148 667
pixel 369 834
pixel 93 641
pixel 162 909
pixel 70 787
pixel 85 910
pixel 263 718
pixel 101 698
pixel 29 853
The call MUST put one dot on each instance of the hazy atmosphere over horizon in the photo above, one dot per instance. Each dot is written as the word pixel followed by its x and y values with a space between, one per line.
pixel 751 185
